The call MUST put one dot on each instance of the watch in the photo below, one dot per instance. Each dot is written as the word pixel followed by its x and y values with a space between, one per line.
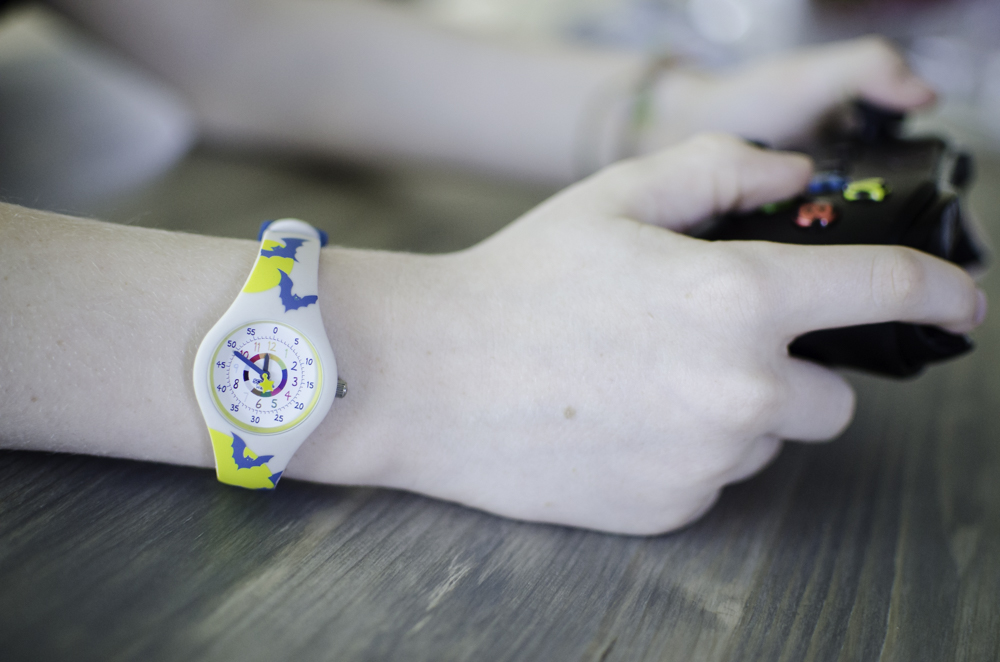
pixel 265 375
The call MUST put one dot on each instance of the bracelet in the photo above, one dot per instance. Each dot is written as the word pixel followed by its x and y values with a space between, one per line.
pixel 618 116
pixel 641 113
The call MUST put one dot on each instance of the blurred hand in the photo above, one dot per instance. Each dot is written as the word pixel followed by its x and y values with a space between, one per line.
pixel 782 99
pixel 590 365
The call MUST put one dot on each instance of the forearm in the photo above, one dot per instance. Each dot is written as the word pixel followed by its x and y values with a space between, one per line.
pixel 582 366
pixel 101 323
pixel 368 81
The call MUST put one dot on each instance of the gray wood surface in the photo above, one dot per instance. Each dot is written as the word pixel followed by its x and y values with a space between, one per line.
pixel 884 545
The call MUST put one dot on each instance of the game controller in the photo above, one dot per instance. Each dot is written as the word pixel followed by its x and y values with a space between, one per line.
pixel 873 187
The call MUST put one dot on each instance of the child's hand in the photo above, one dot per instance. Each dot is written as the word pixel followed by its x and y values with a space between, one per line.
pixel 782 99
pixel 589 368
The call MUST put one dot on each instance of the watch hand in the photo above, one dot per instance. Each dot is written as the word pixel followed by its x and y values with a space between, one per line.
pixel 267 361
pixel 248 362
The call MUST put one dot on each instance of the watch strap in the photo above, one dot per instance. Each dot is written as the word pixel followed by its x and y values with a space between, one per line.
pixel 282 287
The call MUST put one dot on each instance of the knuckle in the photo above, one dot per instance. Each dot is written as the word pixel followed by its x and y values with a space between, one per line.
pixel 721 144
pixel 718 154
pixel 679 513
pixel 715 167
pixel 879 51
pixel 756 403
pixel 738 286
pixel 618 176
pixel 898 278
pixel 748 404
pixel 712 464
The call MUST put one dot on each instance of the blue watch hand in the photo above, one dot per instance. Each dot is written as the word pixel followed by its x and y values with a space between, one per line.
pixel 267 361
pixel 248 362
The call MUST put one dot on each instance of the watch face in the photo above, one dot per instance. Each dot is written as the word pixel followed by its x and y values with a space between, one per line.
pixel 266 377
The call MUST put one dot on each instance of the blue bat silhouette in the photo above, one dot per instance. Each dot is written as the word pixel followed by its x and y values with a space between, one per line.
pixel 292 301
pixel 243 462
pixel 288 250
pixel 274 478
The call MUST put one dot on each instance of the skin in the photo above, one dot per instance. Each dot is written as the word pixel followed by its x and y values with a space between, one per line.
pixel 374 82
pixel 589 365
pixel 781 99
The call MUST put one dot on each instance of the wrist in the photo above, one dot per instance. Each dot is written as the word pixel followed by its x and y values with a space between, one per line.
pixel 378 309
pixel 675 109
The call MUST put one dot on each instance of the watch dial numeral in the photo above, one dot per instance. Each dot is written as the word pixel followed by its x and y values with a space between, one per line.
pixel 274 370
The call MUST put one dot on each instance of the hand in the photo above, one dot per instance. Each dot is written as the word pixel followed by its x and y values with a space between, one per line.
pixel 782 99
pixel 586 367
pixel 259 371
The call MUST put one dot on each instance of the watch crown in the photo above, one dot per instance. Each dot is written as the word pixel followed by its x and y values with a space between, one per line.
pixel 341 387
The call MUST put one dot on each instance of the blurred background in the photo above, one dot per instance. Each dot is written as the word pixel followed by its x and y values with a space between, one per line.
pixel 84 131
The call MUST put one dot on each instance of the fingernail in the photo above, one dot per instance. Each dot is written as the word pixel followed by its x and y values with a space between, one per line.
pixel 981 307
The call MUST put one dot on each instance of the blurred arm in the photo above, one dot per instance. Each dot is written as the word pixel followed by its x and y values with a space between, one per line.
pixel 367 81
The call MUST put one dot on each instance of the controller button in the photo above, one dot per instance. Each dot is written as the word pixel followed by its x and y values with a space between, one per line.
pixel 873 188
pixel 826 182
pixel 775 207
pixel 819 213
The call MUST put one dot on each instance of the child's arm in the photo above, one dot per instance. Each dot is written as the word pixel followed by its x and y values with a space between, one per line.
pixel 374 82
pixel 588 365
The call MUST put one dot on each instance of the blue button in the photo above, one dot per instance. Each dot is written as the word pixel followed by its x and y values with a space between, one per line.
pixel 827 182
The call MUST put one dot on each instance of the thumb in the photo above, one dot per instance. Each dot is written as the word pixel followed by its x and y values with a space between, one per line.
pixel 706 175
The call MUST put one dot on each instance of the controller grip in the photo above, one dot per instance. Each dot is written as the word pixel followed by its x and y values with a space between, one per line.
pixel 890 348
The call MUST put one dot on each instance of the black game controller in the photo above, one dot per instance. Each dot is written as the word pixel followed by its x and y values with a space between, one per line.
pixel 873 187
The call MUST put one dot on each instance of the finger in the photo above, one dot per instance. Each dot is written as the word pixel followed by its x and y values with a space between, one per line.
pixel 874 70
pixel 708 174
pixel 821 287
pixel 818 403
pixel 869 67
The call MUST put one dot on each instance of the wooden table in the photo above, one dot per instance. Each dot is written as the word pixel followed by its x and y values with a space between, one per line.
pixel 883 545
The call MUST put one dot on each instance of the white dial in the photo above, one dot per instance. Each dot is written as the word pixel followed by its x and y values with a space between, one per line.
pixel 266 377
